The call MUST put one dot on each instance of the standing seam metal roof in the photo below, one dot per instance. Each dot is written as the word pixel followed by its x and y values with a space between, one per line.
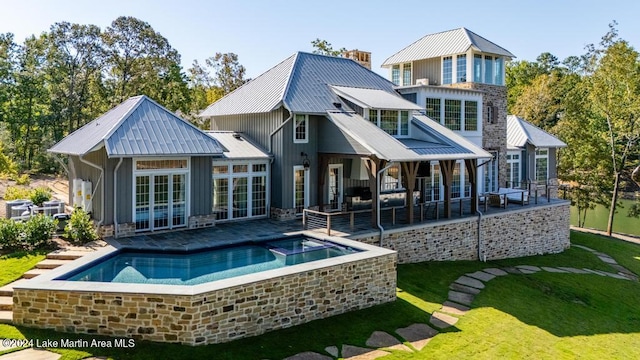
pixel 238 146
pixel 520 132
pixel 444 43
pixel 139 127
pixel 302 83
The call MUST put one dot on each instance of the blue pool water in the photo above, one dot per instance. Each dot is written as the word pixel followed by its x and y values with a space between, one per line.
pixel 210 265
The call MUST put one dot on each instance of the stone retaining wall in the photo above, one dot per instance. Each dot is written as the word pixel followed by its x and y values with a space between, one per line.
pixel 216 316
pixel 529 231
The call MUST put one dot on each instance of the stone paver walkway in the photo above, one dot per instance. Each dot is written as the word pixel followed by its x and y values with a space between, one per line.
pixel 461 295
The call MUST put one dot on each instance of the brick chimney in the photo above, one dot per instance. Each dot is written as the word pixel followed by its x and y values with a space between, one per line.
pixel 361 57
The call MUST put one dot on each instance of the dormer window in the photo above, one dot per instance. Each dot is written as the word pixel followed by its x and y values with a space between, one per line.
pixel 406 74
pixel 393 122
pixel 447 69
pixel 461 68
pixel 395 74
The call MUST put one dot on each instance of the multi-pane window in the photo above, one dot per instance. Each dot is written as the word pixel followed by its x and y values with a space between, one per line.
pixel 452 114
pixel 395 74
pixel 461 68
pixel 542 165
pixel 301 129
pixel 477 68
pixel 470 115
pixel 300 189
pixel 161 164
pixel 490 174
pixel 488 70
pixel 393 122
pixel 391 179
pixel 433 108
pixel 406 74
pixel 499 69
pixel 389 121
pixel 447 69
pixel 513 170
pixel 455 183
pixel 432 188
pixel 239 190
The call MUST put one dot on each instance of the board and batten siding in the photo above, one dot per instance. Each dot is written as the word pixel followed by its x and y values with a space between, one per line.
pixel 257 127
pixel 427 69
pixel 201 185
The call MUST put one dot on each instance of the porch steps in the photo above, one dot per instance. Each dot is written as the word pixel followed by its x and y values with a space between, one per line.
pixel 51 263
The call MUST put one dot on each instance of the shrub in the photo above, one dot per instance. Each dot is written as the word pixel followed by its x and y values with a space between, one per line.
pixel 80 228
pixel 11 234
pixel 23 179
pixel 40 195
pixel 39 229
pixel 17 192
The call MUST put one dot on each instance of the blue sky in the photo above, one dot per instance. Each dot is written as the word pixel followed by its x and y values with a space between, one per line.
pixel 263 33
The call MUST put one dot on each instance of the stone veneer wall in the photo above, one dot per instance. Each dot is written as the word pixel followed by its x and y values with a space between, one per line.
pixel 530 231
pixel 126 230
pixel 494 136
pixel 200 221
pixel 218 316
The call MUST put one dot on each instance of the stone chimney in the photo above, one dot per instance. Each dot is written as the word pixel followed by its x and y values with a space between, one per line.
pixel 361 57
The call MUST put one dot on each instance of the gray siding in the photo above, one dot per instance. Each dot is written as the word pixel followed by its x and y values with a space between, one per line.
pixel 257 126
pixel 427 69
pixel 125 190
pixel 553 157
pixel 201 185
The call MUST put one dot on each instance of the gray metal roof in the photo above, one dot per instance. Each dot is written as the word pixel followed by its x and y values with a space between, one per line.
pixel 238 146
pixel 520 132
pixel 375 98
pixel 260 95
pixel 444 43
pixel 385 146
pixel 302 83
pixel 138 127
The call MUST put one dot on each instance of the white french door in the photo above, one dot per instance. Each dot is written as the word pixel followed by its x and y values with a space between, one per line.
pixel 160 201
pixel 300 188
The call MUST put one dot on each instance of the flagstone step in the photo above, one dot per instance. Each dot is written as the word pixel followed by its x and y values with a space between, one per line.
pixel 6 317
pixel 6 303
pixel 66 254
pixel 34 272
pixel 7 290
pixel 51 263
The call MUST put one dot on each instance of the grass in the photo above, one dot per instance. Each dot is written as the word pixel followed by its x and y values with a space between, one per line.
pixel 544 315
pixel 12 266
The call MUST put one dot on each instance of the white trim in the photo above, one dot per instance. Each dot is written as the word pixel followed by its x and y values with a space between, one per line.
pixel 535 167
pixel 339 185
pixel 249 175
pixel 510 166
pixel 306 129
pixel 306 186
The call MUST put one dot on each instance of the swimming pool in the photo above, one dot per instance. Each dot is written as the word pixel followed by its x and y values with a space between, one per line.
pixel 206 266
pixel 314 283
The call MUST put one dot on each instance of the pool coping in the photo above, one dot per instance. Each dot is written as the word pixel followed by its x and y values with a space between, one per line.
pixel 48 281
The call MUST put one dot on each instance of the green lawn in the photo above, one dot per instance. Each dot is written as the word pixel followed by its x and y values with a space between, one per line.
pixel 12 266
pixel 542 316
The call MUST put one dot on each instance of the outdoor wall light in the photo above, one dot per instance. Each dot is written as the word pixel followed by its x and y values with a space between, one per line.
pixel 305 163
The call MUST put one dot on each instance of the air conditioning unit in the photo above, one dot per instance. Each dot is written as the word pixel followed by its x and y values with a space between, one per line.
pixel 424 81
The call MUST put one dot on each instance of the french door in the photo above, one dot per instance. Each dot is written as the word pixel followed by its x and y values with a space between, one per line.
pixel 334 195
pixel 160 201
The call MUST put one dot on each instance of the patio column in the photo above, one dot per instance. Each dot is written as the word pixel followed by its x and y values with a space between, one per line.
pixel 472 169
pixel 323 163
pixel 409 173
pixel 373 165
pixel 446 168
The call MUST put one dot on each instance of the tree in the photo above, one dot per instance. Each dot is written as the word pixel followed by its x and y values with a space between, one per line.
pixel 323 47
pixel 141 61
pixel 614 94
pixel 229 74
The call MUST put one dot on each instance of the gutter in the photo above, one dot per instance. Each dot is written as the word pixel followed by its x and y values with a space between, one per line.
pixel 97 184
pixel 378 200
pixel 115 197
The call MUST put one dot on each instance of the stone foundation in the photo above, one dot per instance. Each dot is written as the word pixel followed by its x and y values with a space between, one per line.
pixel 201 221
pixel 105 231
pixel 543 229
pixel 126 230
pixel 283 214
pixel 220 311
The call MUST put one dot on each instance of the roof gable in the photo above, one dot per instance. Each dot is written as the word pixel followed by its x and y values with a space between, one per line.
pixel 301 83
pixel 520 132
pixel 139 127
pixel 444 43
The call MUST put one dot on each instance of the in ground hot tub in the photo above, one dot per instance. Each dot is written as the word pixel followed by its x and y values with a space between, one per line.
pixel 209 296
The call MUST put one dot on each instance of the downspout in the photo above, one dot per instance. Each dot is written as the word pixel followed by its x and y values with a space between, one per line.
pixel 115 198
pixel 480 257
pixel 97 184
pixel 378 200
